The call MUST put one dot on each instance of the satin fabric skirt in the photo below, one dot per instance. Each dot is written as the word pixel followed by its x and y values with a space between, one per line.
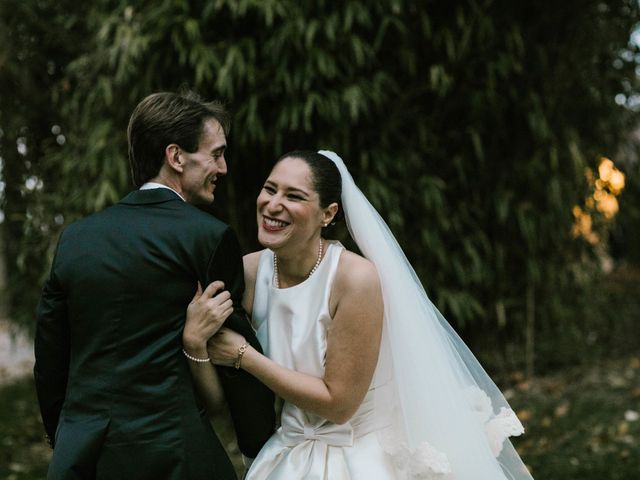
pixel 316 460
pixel 309 447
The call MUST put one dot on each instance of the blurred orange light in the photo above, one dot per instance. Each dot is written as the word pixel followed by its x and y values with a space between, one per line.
pixel 616 181
pixel 608 205
pixel 606 187
pixel 605 169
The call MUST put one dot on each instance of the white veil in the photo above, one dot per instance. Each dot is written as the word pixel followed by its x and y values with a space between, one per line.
pixel 450 421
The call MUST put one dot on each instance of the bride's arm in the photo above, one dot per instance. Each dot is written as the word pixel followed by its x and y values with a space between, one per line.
pixel 352 349
pixel 205 315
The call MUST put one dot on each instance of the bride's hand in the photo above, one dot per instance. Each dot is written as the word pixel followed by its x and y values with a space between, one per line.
pixel 205 314
pixel 224 346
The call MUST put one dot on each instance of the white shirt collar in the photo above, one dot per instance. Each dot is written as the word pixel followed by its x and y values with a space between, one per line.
pixel 150 185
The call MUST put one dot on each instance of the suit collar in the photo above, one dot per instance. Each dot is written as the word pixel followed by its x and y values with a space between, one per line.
pixel 151 196
pixel 151 185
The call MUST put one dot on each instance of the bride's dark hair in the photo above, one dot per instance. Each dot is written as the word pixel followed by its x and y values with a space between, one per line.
pixel 326 178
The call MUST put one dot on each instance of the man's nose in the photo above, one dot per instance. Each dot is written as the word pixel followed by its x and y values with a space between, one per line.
pixel 222 166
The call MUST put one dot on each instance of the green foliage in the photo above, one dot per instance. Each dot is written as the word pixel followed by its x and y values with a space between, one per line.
pixel 624 241
pixel 468 124
pixel 33 56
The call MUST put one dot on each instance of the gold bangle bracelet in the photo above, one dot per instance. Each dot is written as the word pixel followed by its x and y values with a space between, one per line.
pixel 241 350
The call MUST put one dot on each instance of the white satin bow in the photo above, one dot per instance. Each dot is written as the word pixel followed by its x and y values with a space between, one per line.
pixel 295 433
pixel 311 445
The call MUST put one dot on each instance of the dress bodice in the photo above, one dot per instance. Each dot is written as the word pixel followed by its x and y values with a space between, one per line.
pixel 292 325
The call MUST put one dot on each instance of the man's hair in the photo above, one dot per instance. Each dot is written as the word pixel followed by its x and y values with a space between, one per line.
pixel 162 119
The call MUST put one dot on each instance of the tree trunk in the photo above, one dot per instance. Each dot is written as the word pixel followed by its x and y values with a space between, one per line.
pixel 530 330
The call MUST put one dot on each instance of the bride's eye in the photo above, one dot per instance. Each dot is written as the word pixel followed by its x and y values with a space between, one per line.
pixel 269 188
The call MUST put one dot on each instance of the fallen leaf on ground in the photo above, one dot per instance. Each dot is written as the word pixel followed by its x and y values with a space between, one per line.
pixel 562 409
pixel 524 415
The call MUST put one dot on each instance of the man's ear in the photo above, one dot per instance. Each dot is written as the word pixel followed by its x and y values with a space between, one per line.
pixel 173 157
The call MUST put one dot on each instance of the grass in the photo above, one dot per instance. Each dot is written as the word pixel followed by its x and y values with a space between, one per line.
pixel 24 454
pixel 581 424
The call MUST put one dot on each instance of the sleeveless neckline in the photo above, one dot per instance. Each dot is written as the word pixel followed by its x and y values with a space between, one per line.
pixel 309 280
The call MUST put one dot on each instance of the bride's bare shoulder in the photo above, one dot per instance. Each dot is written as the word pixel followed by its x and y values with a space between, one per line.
pixel 356 283
pixel 355 271
pixel 250 263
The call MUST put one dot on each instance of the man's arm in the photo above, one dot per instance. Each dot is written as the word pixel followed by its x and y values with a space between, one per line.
pixel 52 353
pixel 251 403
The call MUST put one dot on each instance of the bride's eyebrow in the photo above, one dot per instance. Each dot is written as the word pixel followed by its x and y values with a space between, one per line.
pixel 271 183
pixel 297 190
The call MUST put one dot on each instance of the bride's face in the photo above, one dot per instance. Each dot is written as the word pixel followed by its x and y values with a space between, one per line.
pixel 288 207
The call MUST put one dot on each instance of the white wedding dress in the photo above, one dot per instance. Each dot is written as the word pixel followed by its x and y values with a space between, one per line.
pixel 292 325
pixel 431 413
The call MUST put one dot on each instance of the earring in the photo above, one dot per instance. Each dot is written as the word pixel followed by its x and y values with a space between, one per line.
pixel 324 225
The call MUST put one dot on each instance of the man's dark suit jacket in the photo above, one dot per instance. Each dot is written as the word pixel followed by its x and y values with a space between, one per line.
pixel 114 388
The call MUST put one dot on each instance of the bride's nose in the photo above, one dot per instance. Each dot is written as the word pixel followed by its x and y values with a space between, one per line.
pixel 274 204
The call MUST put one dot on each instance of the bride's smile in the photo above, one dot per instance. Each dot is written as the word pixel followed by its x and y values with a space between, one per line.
pixel 272 224
pixel 288 208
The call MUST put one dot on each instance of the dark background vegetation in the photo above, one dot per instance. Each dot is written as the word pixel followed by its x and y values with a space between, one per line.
pixel 476 127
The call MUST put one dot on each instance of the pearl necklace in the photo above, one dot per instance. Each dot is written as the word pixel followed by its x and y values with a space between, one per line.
pixel 276 280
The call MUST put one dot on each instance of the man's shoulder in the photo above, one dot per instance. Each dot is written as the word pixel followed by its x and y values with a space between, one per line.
pixel 201 219
pixel 161 202
pixel 184 216
pixel 81 223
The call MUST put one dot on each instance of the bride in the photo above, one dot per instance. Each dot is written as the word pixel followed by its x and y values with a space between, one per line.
pixel 375 383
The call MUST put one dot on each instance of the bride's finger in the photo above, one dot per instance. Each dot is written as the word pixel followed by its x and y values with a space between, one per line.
pixel 227 305
pixel 212 289
pixel 227 312
pixel 198 293
pixel 219 299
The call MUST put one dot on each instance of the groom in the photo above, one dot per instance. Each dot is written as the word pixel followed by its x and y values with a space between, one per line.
pixel 114 387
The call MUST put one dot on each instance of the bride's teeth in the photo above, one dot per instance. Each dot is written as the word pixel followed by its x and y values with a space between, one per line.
pixel 274 223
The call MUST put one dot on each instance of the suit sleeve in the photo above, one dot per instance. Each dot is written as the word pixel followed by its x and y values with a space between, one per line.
pixel 251 403
pixel 52 352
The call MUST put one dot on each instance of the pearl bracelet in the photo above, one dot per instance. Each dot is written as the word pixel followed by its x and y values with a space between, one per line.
pixel 195 359
pixel 241 350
